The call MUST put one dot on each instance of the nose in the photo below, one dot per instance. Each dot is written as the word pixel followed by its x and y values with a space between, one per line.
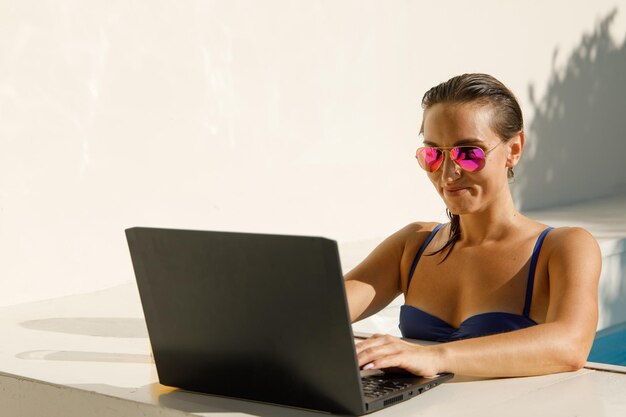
pixel 450 170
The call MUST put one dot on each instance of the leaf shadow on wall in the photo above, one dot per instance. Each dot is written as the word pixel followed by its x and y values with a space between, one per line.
pixel 576 142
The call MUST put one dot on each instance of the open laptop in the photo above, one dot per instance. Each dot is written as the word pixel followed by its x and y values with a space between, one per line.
pixel 257 317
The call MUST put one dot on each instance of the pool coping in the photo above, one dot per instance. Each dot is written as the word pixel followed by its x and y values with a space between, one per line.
pixel 605 367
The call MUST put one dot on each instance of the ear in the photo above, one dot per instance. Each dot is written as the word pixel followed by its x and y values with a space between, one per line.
pixel 516 146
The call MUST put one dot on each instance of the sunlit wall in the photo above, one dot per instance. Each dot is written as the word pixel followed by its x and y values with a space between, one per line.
pixel 296 117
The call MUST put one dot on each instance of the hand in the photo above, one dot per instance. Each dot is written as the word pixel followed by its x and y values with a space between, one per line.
pixel 384 351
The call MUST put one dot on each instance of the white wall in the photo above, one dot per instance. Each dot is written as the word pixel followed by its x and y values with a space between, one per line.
pixel 272 116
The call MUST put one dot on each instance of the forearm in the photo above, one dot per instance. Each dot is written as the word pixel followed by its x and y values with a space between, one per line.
pixel 537 350
pixel 359 297
pixel 364 301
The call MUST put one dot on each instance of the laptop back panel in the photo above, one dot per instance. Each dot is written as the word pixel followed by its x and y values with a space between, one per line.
pixel 248 316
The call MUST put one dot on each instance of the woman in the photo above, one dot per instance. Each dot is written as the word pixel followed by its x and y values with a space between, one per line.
pixel 509 295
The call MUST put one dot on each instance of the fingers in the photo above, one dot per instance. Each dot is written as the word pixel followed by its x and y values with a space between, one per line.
pixel 375 340
pixel 387 361
pixel 378 350
pixel 367 342
pixel 384 351
pixel 372 358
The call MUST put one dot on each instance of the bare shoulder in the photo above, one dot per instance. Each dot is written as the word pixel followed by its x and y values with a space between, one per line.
pixel 567 241
pixel 416 231
pixel 414 234
pixel 393 247
pixel 574 252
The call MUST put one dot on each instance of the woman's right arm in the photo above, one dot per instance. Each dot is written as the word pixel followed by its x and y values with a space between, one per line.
pixel 375 282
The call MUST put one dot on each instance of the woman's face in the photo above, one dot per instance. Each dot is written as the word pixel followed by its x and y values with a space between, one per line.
pixel 448 125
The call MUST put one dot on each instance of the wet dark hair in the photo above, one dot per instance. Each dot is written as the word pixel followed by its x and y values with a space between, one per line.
pixel 506 119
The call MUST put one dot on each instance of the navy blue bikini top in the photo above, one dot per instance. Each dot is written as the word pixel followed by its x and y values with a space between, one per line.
pixel 418 324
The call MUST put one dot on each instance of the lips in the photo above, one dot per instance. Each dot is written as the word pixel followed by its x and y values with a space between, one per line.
pixel 454 190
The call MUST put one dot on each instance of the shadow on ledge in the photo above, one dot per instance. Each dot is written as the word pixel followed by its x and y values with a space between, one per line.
pixel 122 327
pixel 77 356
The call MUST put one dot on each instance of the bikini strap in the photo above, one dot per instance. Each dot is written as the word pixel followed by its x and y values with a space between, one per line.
pixel 419 254
pixel 531 273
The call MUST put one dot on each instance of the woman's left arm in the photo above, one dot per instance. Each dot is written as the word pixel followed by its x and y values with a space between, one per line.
pixel 560 344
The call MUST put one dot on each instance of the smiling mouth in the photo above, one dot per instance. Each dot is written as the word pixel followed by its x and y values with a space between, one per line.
pixel 454 191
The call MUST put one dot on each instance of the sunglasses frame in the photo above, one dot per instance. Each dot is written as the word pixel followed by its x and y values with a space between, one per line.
pixel 449 149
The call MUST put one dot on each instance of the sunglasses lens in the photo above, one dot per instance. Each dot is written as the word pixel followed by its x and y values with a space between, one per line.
pixel 469 158
pixel 429 158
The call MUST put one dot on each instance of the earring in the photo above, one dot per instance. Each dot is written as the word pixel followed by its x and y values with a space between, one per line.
pixel 510 175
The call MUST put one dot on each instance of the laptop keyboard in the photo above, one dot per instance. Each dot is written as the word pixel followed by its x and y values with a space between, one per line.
pixel 376 387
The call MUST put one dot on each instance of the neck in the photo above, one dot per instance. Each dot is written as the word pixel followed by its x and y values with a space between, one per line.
pixel 491 224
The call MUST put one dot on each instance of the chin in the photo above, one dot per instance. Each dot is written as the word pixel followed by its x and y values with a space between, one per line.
pixel 458 208
pixel 458 212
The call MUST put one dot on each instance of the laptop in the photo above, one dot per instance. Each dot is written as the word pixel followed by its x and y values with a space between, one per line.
pixel 257 317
